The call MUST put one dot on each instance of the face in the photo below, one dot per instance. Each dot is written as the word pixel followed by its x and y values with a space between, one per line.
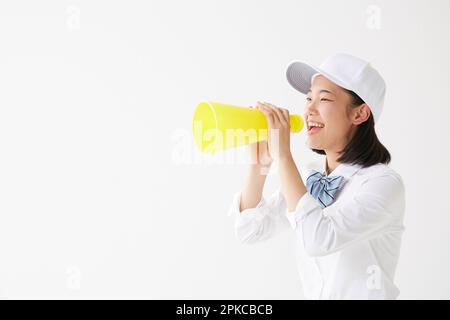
pixel 327 105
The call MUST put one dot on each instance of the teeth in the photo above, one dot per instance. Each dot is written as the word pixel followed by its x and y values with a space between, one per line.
pixel 315 124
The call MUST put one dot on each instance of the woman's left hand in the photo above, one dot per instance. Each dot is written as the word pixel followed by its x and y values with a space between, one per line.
pixel 278 122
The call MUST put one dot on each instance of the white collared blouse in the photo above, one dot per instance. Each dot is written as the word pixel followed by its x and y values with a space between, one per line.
pixel 348 250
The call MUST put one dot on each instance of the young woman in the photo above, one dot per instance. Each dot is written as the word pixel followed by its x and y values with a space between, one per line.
pixel 347 214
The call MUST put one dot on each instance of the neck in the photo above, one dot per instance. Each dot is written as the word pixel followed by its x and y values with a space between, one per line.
pixel 331 161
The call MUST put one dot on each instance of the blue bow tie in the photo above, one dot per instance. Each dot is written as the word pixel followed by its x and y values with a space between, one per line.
pixel 323 188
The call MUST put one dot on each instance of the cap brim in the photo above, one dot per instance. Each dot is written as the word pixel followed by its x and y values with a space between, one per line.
pixel 300 76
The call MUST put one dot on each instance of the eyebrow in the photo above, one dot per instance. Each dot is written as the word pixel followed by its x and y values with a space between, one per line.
pixel 323 90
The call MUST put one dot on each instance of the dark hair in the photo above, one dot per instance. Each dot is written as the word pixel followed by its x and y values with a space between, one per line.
pixel 364 148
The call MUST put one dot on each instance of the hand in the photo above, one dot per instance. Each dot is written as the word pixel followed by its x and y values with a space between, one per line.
pixel 259 153
pixel 279 133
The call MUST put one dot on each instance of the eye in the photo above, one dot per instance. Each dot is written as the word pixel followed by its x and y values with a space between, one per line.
pixel 325 99
pixel 308 99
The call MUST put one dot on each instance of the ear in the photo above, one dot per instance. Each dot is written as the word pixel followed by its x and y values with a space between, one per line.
pixel 361 114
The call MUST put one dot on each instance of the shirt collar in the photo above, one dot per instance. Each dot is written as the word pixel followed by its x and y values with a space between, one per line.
pixel 343 169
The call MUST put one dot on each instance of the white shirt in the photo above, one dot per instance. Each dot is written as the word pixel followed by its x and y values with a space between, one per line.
pixel 348 250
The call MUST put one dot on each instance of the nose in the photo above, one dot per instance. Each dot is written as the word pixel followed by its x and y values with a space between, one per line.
pixel 310 108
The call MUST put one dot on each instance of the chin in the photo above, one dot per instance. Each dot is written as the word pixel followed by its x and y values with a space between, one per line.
pixel 313 145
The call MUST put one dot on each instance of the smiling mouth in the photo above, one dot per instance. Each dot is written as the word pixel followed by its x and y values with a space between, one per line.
pixel 313 130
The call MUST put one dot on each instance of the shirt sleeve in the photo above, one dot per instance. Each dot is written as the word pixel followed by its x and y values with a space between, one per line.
pixel 369 211
pixel 262 222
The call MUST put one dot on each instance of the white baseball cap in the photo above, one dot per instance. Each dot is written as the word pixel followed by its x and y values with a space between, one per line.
pixel 346 71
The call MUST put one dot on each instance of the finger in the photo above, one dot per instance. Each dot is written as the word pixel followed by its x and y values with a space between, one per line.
pixel 257 152
pixel 264 155
pixel 280 115
pixel 281 112
pixel 259 104
pixel 285 113
pixel 265 106
pixel 263 103
pixel 256 106
pixel 269 115
pixel 277 114
pixel 253 153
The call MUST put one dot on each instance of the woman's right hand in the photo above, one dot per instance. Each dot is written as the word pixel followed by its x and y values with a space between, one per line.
pixel 259 153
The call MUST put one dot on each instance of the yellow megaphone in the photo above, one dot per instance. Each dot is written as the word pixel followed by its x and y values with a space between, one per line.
pixel 217 126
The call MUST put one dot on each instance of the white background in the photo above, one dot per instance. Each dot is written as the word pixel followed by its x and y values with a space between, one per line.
pixel 102 193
